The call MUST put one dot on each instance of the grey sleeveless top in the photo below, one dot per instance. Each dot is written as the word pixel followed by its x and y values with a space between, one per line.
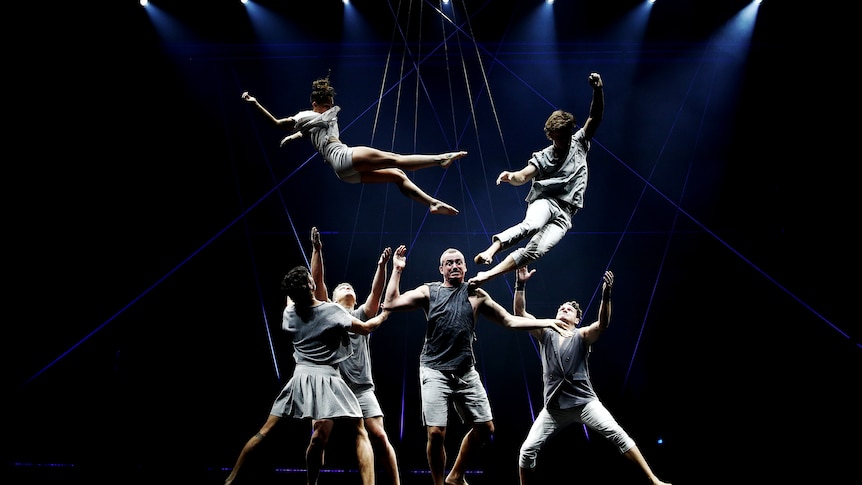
pixel 565 372
pixel 451 329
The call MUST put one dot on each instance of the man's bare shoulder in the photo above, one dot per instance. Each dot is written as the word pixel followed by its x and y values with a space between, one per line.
pixel 479 296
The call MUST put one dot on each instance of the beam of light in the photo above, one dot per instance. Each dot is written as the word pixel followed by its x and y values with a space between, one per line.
pixel 735 36
pixel 167 26
pixel 632 26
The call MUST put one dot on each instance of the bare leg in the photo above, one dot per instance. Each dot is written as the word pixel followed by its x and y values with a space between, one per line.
pixel 634 454
pixel 472 441
pixel 436 453
pixel 250 445
pixel 367 159
pixel 487 256
pixel 504 266
pixel 321 429
pixel 408 188
pixel 383 448
pixel 364 454
pixel 526 475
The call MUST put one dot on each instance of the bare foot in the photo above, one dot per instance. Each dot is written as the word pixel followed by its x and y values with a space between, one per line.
pixel 476 281
pixel 462 481
pixel 439 207
pixel 448 158
pixel 483 258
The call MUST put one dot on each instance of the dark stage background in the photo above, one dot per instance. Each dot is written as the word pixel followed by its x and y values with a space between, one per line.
pixel 151 213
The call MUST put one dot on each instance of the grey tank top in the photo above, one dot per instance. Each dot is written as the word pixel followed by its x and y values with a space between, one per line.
pixel 451 329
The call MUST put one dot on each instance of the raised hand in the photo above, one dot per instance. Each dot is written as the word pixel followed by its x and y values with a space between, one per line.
pixel 315 238
pixel 608 279
pixel 384 256
pixel 523 274
pixel 399 259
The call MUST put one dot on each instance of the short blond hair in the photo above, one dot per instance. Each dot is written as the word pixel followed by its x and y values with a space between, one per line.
pixel 449 251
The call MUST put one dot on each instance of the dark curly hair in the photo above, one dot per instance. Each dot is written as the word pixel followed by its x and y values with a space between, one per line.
pixel 296 284
pixel 321 90
pixel 576 306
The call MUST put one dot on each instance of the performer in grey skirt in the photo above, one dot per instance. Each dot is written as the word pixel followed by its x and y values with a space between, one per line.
pixel 316 390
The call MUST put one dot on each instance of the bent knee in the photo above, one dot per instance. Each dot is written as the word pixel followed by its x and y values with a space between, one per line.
pixel 393 172
pixel 384 176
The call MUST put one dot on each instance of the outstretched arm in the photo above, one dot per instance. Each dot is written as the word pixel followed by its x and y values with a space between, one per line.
pixel 520 177
pixel 370 325
pixel 320 291
pixel 593 331
pixel 410 300
pixel 286 123
pixel 372 303
pixel 597 106
pixel 496 313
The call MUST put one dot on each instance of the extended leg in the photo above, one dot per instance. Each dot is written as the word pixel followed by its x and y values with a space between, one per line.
pixel 634 454
pixel 250 445
pixel 408 188
pixel 504 266
pixel 366 159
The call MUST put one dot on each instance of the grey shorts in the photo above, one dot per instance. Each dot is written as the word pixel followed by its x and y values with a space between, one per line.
pixel 340 157
pixel 367 400
pixel 464 391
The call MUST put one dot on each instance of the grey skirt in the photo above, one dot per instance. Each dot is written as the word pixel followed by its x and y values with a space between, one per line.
pixel 316 392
